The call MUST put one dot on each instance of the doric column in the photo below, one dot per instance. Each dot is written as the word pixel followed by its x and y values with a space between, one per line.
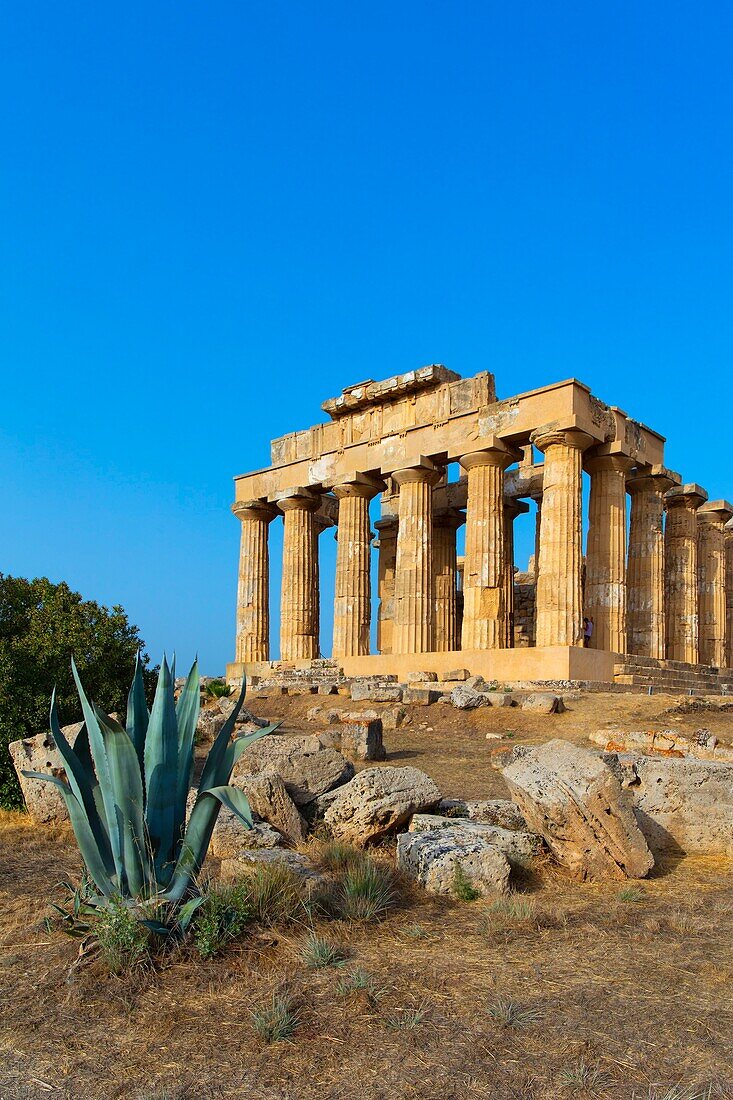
pixel 512 509
pixel 445 580
pixel 680 553
pixel 352 603
pixel 605 565
pixel 460 565
pixel 711 580
pixel 484 610
pixel 728 533
pixel 298 603
pixel 253 588
pixel 559 588
pixel 413 610
pixel 386 562
pixel 645 596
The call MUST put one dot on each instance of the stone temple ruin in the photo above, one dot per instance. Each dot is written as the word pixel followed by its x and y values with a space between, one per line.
pixel 658 597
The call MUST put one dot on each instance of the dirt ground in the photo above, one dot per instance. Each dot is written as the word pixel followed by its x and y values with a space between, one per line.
pixel 621 998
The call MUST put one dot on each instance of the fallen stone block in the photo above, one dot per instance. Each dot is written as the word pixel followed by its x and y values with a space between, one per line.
pixel 492 811
pixel 422 677
pixel 305 765
pixel 378 801
pixel 269 799
pixel 361 739
pixel 230 836
pixel 394 717
pixel 681 805
pixel 702 745
pixel 456 674
pixel 420 697
pixel 248 860
pixel 499 699
pixel 521 848
pixel 435 858
pixel 543 702
pixel 39 754
pixel 477 683
pixel 370 692
pixel 464 697
pixel 575 801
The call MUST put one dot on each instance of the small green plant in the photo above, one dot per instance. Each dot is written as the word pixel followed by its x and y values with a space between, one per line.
pixel 336 855
pixel 218 689
pixel 582 1076
pixel 408 1019
pixel 462 886
pixel 273 894
pixel 319 952
pixel 277 1021
pixel 508 1014
pixel 123 940
pixel 508 911
pixel 414 931
pixel 365 893
pixel 631 894
pixel 358 981
pixel 224 915
pixel 126 791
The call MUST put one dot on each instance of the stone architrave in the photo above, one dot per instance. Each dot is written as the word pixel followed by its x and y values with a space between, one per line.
pixel 559 587
pixel 484 610
pixel 298 610
pixel 253 587
pixel 605 568
pixel 352 605
pixel 445 579
pixel 645 597
pixel 728 535
pixel 413 607
pixel 711 575
pixel 680 554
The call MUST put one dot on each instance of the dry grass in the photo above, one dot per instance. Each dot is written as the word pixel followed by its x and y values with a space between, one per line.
pixel 563 991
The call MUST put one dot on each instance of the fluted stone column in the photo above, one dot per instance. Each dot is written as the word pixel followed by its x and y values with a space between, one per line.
pixel 711 580
pixel 559 604
pixel 605 567
pixel 645 595
pixel 386 563
pixel 298 604
pixel 445 579
pixel 728 534
pixel 680 553
pixel 253 587
pixel 484 610
pixel 413 609
pixel 460 564
pixel 352 604
pixel 512 509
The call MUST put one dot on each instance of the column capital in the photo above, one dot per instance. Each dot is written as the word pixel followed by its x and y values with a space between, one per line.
pixel 304 500
pixel 426 475
pixel 359 486
pixel 647 478
pixel 498 454
pixel 716 513
pixel 598 463
pixel 547 436
pixel 254 509
pixel 728 529
pixel 689 496
pixel 452 518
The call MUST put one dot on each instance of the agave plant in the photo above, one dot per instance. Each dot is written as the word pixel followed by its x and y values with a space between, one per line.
pixel 126 790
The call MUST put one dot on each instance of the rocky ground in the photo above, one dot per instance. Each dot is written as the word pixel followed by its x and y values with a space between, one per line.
pixel 563 989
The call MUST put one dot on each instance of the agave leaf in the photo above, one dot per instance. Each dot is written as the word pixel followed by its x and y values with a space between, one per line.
pixel 127 786
pixel 237 747
pixel 83 833
pixel 161 764
pixel 84 755
pixel 137 712
pixel 187 910
pixel 83 783
pixel 101 766
pixel 198 834
pixel 157 926
pixel 217 768
pixel 187 716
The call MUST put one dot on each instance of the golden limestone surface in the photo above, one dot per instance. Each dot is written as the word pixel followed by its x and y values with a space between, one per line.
pixel 665 593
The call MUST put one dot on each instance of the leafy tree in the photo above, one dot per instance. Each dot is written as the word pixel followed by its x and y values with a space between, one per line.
pixel 41 626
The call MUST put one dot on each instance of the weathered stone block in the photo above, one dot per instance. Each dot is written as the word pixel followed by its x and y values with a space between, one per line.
pixel 370 692
pixel 466 698
pixel 419 697
pixel 493 811
pixel 306 767
pixel 521 848
pixel 361 739
pixel 543 702
pixel 269 799
pixel 378 801
pixel 499 699
pixel 434 859
pixel 456 674
pixel 422 677
pixel 39 754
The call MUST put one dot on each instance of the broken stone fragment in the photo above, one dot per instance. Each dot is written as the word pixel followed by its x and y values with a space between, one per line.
pixel 521 848
pixel 543 702
pixel 435 858
pixel 379 801
pixel 305 765
pixel 362 739
pixel 492 811
pixel 464 697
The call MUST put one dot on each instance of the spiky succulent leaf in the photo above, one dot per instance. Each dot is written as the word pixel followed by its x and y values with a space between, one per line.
pixel 187 910
pixel 137 713
pixel 83 833
pixel 101 766
pixel 127 787
pixel 161 766
pixel 187 716
pixel 198 834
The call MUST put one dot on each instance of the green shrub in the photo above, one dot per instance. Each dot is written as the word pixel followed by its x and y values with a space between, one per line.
pixel 358 981
pixel 224 915
pixel 218 689
pixel 462 887
pixel 123 940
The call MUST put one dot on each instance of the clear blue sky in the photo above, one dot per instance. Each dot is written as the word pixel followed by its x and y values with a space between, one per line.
pixel 214 216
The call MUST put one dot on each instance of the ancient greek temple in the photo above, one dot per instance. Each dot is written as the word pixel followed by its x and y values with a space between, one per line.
pixel 652 579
